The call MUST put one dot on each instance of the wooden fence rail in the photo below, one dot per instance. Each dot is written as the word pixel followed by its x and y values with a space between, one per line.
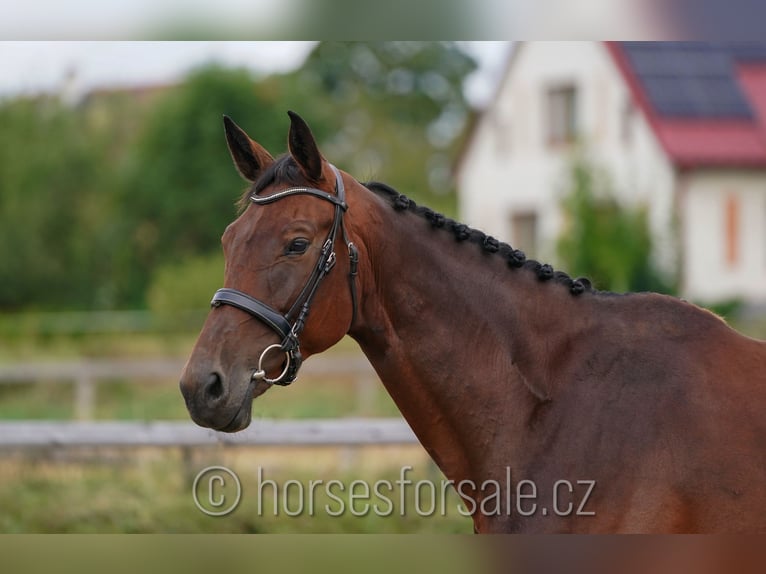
pixel 314 432
pixel 87 373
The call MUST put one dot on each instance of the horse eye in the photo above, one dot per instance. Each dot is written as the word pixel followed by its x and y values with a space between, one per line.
pixel 298 245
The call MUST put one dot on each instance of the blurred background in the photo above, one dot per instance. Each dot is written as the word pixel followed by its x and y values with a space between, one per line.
pixel 639 165
pixel 115 187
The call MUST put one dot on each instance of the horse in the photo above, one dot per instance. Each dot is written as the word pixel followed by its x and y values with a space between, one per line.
pixel 551 406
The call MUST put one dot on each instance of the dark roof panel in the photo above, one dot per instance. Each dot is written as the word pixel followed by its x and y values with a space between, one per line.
pixel 745 52
pixel 689 79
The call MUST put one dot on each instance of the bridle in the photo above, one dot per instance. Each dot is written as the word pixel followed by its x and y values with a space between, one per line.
pixel 290 325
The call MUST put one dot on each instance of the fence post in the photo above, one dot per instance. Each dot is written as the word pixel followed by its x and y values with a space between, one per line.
pixel 84 397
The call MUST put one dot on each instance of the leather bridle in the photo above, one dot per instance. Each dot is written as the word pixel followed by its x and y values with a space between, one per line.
pixel 290 325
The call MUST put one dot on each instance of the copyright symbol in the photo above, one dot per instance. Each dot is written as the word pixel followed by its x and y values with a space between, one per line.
pixel 216 490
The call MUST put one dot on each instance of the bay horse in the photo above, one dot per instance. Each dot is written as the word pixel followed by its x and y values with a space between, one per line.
pixel 552 406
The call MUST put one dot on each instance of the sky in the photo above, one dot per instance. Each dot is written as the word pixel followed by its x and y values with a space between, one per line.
pixel 33 67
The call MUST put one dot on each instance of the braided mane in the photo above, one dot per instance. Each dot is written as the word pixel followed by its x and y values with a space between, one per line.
pixel 514 257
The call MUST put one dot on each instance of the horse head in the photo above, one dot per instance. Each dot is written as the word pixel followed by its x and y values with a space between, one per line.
pixel 281 263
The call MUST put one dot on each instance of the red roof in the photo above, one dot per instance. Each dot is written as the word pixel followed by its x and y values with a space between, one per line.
pixel 703 136
pixel 695 143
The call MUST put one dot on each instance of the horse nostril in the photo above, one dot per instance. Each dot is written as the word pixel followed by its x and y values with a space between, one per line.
pixel 213 387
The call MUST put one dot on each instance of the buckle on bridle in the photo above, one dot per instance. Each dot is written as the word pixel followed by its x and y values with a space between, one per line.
pixel 330 262
pixel 353 257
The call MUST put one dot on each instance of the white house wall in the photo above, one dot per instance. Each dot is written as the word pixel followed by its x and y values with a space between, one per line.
pixel 510 166
pixel 708 274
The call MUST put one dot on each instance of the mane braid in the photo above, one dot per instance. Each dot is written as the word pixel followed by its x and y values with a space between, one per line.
pixel 514 257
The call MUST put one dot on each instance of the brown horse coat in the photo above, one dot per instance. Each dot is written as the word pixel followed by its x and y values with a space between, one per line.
pixel 555 407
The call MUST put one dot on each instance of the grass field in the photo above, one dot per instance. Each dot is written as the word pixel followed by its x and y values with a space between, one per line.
pixel 150 491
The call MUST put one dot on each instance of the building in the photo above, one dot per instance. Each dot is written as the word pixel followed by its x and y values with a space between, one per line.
pixel 679 127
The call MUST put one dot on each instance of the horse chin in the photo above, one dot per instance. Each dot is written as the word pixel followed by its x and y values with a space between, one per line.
pixel 241 419
pixel 244 416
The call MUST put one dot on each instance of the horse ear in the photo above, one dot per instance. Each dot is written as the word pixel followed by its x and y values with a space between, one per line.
pixel 249 157
pixel 304 148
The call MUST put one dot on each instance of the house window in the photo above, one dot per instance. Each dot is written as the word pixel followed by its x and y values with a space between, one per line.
pixel 731 230
pixel 524 232
pixel 562 114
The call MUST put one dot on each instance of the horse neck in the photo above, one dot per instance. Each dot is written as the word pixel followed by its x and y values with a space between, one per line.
pixel 465 346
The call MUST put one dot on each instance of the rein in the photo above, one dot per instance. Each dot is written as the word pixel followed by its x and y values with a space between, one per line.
pixel 290 325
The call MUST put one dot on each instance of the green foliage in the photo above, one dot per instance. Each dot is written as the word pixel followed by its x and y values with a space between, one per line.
pixel 152 493
pixel 729 308
pixel 185 285
pixel 411 83
pixel 605 241
pixel 98 200
pixel 180 186
pixel 51 181
pixel 406 113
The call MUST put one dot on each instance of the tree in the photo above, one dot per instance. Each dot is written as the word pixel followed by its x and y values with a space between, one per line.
pixel 603 240
pixel 53 206
pixel 101 200
pixel 180 187
pixel 397 110
pixel 369 105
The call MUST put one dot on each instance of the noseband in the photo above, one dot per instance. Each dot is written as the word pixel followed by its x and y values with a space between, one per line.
pixel 289 326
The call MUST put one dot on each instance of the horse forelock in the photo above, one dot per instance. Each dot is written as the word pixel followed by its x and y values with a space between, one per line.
pixel 283 170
